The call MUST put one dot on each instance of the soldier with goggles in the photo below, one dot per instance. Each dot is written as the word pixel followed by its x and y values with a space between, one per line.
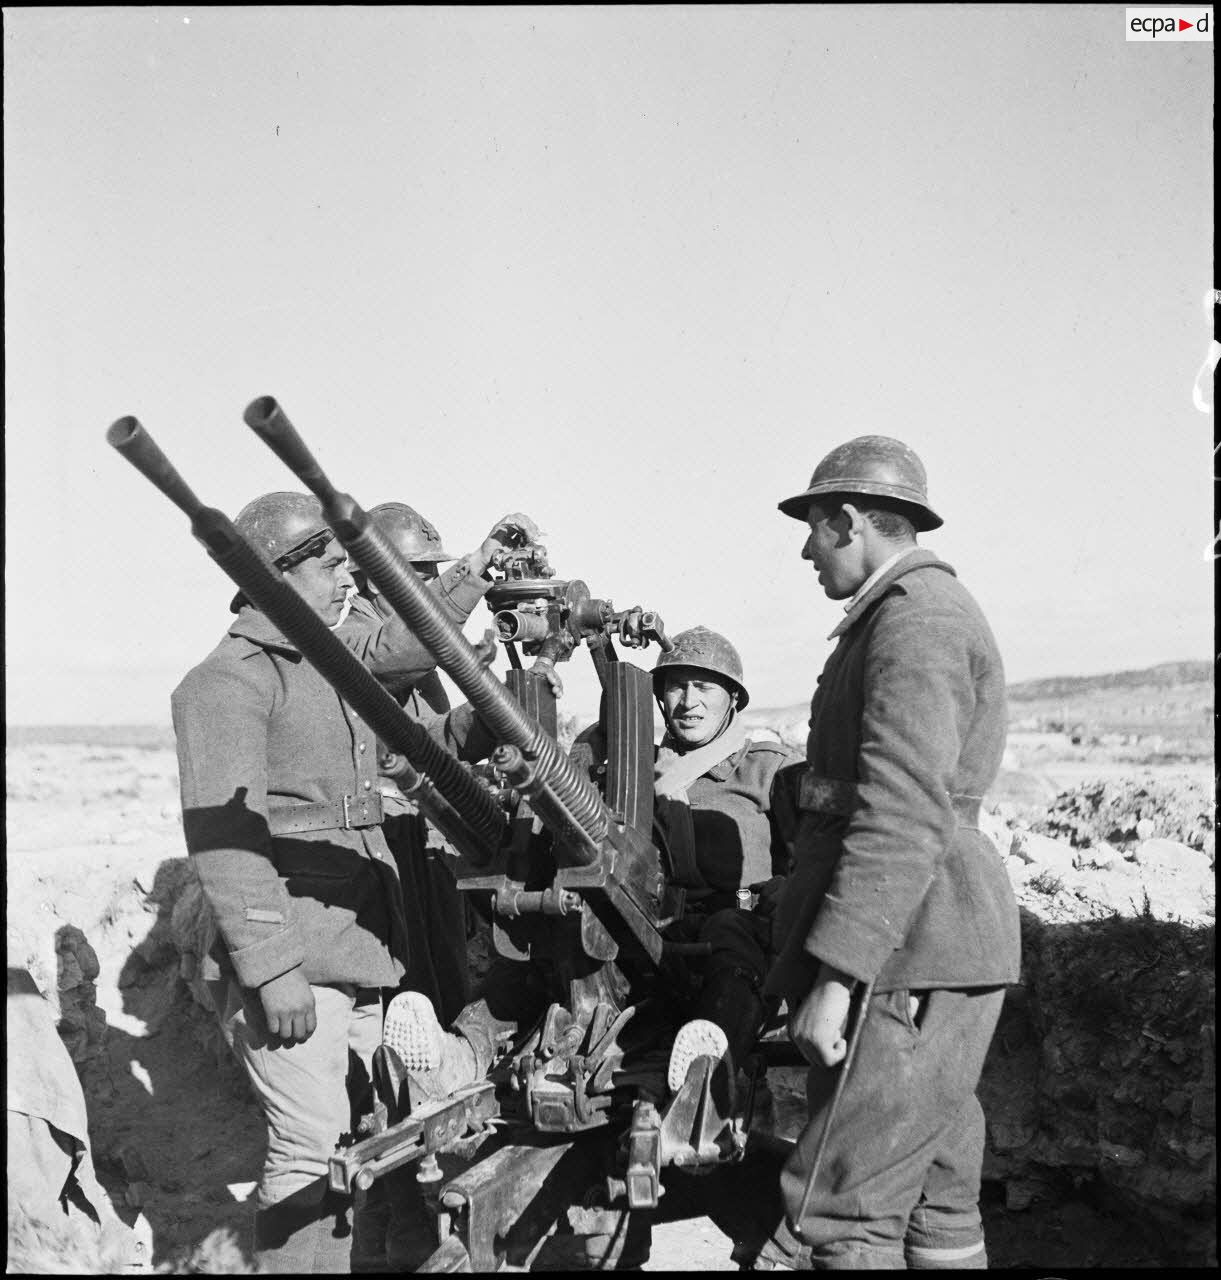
pixel 282 814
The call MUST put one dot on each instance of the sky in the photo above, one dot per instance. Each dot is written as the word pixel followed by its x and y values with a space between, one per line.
pixel 630 270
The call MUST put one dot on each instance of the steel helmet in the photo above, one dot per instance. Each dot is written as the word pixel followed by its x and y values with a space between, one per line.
pixel 414 538
pixel 705 651
pixel 874 465
pixel 286 527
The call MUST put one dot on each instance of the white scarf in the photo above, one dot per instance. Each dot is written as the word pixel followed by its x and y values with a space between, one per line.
pixel 674 772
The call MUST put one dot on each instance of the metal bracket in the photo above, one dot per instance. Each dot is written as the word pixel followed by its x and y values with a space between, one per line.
pixel 642 1183
pixel 429 1129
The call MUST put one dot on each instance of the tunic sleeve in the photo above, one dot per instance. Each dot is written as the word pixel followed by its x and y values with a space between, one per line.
pixel 220 722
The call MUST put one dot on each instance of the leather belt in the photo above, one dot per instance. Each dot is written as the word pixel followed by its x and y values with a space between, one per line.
pixel 836 796
pixel 327 815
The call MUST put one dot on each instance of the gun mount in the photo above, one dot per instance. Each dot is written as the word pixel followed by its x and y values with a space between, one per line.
pixel 548 617
pixel 560 849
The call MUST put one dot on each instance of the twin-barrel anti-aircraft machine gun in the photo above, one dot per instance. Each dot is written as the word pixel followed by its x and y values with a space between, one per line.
pixel 574 1126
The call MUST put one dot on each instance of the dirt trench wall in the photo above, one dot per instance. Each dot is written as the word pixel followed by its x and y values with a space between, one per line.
pixel 1102 1073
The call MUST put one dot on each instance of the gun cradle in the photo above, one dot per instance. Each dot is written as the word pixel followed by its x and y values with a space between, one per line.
pixel 617 883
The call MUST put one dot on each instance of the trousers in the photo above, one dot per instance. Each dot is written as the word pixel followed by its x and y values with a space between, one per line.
pixel 303 1090
pixel 436 918
pixel 899 1181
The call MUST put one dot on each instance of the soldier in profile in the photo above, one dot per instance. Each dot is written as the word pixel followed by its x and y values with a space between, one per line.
pixel 282 816
pixel 899 926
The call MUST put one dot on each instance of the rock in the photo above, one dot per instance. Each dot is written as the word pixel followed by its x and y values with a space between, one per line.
pixel 78 962
pixel 1042 851
pixel 1019 872
pixel 1171 856
pixel 1098 857
pixel 1021 1193
pixel 1010 1137
pixel 1176 1102
pixel 1114 893
pixel 1121 1155
pixel 70 975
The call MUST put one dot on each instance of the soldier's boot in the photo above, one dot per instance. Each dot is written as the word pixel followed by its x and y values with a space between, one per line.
pixel 730 998
pixel 729 1002
pixel 487 1035
pixel 411 1234
pixel 438 1061
pixel 394 1229
pixel 695 1039
pixel 306 1234
pixel 370 1214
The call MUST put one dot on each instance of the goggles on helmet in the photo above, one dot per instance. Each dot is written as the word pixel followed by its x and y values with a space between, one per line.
pixel 314 545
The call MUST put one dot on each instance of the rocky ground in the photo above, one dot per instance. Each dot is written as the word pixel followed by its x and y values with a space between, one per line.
pixel 1099 1087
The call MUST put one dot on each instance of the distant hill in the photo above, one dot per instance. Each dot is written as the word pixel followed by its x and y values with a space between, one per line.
pixel 1191 680
pixel 1172 701
pixel 1166 675
pixel 149 737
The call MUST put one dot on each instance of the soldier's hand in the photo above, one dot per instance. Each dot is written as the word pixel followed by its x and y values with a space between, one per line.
pixel 631 628
pixel 819 1025
pixel 768 892
pixel 288 1005
pixel 547 670
pixel 513 530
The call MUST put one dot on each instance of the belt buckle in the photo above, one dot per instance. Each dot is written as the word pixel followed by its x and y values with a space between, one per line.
pixel 347 813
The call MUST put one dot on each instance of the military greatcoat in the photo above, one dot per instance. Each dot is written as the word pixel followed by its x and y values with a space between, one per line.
pixel 261 733
pixel 892 879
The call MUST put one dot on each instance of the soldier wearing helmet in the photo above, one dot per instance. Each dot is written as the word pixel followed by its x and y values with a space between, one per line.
pixel 459 588
pixel 419 543
pixel 396 1229
pixel 897 917
pixel 726 822
pixel 438 966
pixel 282 817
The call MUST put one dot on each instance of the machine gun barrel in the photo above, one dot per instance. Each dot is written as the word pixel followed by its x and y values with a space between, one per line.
pixel 567 802
pixel 449 796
